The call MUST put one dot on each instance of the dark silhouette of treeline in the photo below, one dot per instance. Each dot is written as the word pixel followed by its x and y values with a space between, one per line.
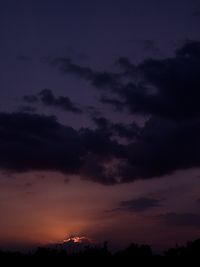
pixel 134 255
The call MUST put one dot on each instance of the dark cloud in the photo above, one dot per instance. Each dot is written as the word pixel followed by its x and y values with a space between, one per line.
pixel 101 122
pixel 180 219
pixel 167 87
pixel 65 65
pixel 190 49
pixel 163 147
pixel 104 155
pixel 157 149
pixel 92 111
pixel 63 102
pixel 101 80
pixel 95 168
pixel 129 131
pixel 36 142
pixel 47 98
pixel 116 103
pixel 129 68
pixel 139 204
pixel 106 80
pixel 168 90
pixel 98 141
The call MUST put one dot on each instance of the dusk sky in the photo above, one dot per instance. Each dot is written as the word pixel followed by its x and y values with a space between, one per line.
pixel 99 121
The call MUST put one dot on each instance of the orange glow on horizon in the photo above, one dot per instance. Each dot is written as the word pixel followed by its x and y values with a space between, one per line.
pixel 77 239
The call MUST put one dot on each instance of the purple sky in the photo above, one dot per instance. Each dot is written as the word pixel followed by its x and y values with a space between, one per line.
pixel 99 121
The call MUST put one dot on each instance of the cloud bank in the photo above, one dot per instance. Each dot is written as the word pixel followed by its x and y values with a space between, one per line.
pixel 167 90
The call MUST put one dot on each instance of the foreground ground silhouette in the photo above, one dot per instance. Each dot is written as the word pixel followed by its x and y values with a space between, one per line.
pixel 134 255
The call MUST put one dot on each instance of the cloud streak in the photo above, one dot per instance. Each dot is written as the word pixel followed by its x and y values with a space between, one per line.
pixel 47 98
pixel 141 204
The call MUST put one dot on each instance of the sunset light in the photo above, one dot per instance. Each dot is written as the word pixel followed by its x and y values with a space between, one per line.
pixel 77 239
pixel 99 129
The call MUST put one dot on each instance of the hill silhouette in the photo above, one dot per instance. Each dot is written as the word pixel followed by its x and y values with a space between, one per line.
pixel 133 255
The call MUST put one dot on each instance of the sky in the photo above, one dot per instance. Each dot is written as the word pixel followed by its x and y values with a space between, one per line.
pixel 99 121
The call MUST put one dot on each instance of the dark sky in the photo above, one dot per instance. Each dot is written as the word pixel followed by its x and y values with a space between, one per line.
pixel 99 121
